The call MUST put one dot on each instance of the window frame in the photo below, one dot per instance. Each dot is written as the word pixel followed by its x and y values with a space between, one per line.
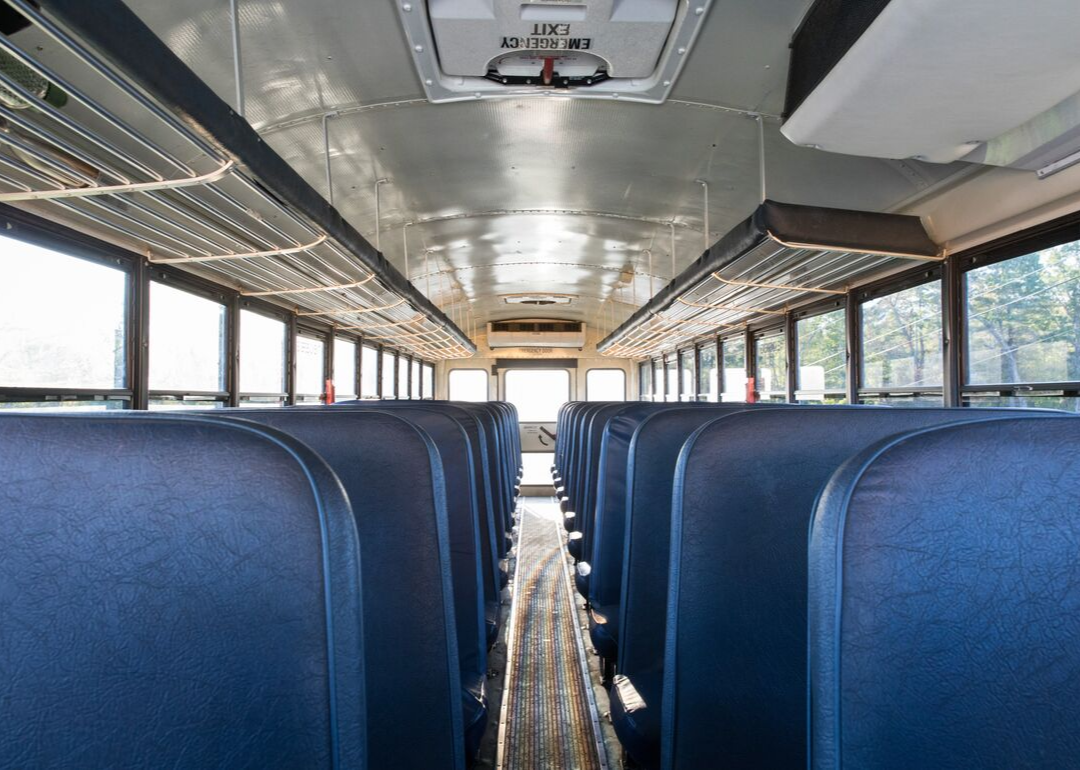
pixel 954 391
pixel 426 366
pixel 354 339
pixel 909 279
pixel 383 352
pixel 204 289
pixel 625 386
pixel 139 272
pixel 721 382
pixel 756 333
pixel 255 397
pixel 360 369
pixel 713 343
pixel 812 311
pixel 644 366
pixel 1057 232
pixel 325 336
pixel 682 356
pixel 532 367
pixel 672 358
pixel 20 226
pixel 487 379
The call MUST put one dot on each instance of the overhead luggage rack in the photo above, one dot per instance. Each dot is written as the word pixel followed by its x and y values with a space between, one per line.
pixel 106 130
pixel 781 254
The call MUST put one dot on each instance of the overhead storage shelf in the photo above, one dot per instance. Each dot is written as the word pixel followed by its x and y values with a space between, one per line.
pixel 781 254
pixel 104 128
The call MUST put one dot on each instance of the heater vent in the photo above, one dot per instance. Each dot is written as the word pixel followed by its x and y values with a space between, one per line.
pixel 536 333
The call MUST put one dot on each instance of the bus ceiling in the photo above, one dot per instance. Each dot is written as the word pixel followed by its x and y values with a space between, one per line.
pixel 403 169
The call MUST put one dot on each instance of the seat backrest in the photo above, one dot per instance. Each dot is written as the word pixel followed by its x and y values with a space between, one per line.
pixel 609 515
pixel 175 591
pixel 466 553
pixel 654 450
pixel 744 495
pixel 945 600
pixel 393 475
pixel 483 464
pixel 560 426
pixel 502 486
pixel 593 439
pixel 490 469
pixel 575 482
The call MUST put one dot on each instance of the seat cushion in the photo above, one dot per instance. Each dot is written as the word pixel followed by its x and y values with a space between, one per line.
pixel 491 623
pixel 604 630
pixel 573 545
pixel 635 714
pixel 473 710
pixel 582 571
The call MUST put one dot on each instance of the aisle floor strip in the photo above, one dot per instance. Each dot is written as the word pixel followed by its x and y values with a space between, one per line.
pixel 549 716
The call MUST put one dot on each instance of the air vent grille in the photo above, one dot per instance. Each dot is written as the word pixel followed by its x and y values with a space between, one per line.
pixel 537 327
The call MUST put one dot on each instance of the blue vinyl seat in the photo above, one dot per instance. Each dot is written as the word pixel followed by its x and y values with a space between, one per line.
pixel 467 498
pixel 735 656
pixel 391 470
pixel 176 592
pixel 945 601
pixel 466 552
pixel 611 478
pixel 580 542
pixel 642 586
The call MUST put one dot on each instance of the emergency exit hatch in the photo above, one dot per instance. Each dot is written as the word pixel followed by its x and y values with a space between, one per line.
pixel 596 48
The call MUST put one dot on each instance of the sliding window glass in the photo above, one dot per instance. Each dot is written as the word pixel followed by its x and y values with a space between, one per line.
pixel 402 376
pixel 822 354
pixel 538 394
pixel 733 354
pixel 414 379
pixel 645 386
pixel 187 349
pixel 901 347
pixel 658 380
pixel 427 382
pixel 344 369
pixel 1023 329
pixel 671 378
pixel 262 359
pixel 605 385
pixel 687 376
pixel 63 322
pixel 708 380
pixel 468 385
pixel 369 372
pixel 389 375
pixel 310 368
pixel 770 355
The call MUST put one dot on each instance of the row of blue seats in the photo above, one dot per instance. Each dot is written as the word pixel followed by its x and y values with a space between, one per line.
pixel 297 587
pixel 830 586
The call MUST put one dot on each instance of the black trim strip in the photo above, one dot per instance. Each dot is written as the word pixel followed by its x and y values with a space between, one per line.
pixel 825 35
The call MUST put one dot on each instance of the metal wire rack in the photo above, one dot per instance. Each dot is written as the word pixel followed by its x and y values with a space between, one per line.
pixel 780 255
pixel 82 143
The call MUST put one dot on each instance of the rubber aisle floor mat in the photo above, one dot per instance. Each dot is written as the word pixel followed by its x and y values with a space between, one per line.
pixel 549 717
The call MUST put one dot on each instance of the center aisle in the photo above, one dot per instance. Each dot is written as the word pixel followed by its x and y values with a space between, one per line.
pixel 549 717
